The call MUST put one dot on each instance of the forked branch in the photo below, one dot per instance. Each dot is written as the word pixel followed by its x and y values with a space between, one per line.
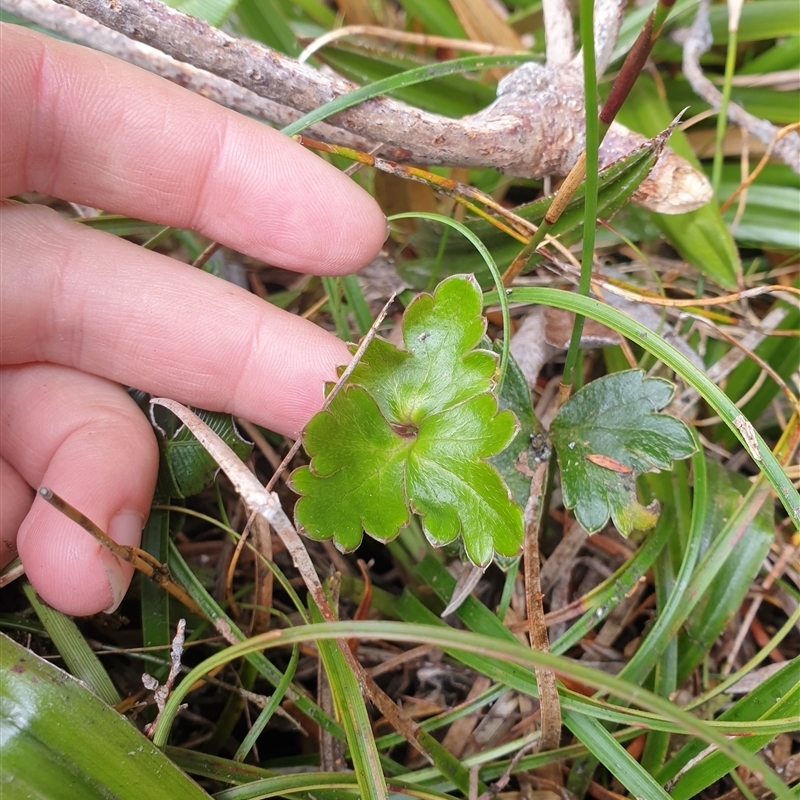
pixel 534 127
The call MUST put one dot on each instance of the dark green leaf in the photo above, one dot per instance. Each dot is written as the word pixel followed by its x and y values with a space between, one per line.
pixel 185 467
pixel 607 435
pixel 411 434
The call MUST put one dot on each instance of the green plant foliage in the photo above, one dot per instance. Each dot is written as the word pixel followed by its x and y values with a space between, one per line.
pixel 214 12
pixel 736 568
pixel 607 435
pixel 410 434
pixel 701 237
pixel 185 467
pixel 60 740
pixel 616 184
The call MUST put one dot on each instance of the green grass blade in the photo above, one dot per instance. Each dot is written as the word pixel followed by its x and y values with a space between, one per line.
pixel 665 679
pixel 450 95
pixel 409 78
pixel 269 709
pixel 437 16
pixel 614 757
pixel 60 740
pixel 214 12
pixel 571 376
pixel 502 651
pixel 156 628
pixel 605 597
pixel 348 698
pixel 184 575
pixel 73 648
pixel 357 303
pixel 313 784
pixel 777 696
pixel 264 21
pixel 673 613
pixel 732 559
pixel 333 290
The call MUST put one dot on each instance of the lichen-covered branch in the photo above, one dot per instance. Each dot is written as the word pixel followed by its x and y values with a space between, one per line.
pixel 534 128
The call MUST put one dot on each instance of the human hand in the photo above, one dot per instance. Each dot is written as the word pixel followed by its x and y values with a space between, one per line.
pixel 83 311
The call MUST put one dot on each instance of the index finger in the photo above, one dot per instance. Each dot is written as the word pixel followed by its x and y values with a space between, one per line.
pixel 88 128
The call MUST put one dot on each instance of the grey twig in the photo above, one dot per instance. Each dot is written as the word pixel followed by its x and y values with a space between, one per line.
pixel 698 42
pixel 558 34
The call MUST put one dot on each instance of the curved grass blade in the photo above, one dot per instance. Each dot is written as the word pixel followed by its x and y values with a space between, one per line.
pixel 74 649
pixel 504 651
pixel 409 78
pixel 348 699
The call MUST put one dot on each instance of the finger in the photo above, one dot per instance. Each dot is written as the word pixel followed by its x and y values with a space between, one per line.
pixel 105 306
pixel 94 130
pixel 17 498
pixel 85 439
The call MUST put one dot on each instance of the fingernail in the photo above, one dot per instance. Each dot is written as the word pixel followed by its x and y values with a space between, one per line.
pixel 388 231
pixel 125 528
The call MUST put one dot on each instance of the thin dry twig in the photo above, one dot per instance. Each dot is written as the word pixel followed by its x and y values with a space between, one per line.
pixel 140 560
pixel 408 37
pixel 537 630
pixel 161 692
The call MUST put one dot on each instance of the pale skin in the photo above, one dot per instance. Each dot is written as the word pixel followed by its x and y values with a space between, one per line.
pixel 83 313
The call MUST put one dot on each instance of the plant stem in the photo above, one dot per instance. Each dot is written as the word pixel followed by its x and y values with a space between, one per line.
pixel 590 168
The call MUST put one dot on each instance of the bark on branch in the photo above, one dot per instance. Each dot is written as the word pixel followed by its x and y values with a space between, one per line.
pixel 534 128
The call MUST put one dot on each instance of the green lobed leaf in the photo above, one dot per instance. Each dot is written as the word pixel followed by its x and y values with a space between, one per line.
pixel 411 434
pixel 607 435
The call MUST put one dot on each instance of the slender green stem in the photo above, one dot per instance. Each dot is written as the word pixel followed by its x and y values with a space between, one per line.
pixel 333 289
pixel 590 199
pixel 157 238
pixel 722 116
